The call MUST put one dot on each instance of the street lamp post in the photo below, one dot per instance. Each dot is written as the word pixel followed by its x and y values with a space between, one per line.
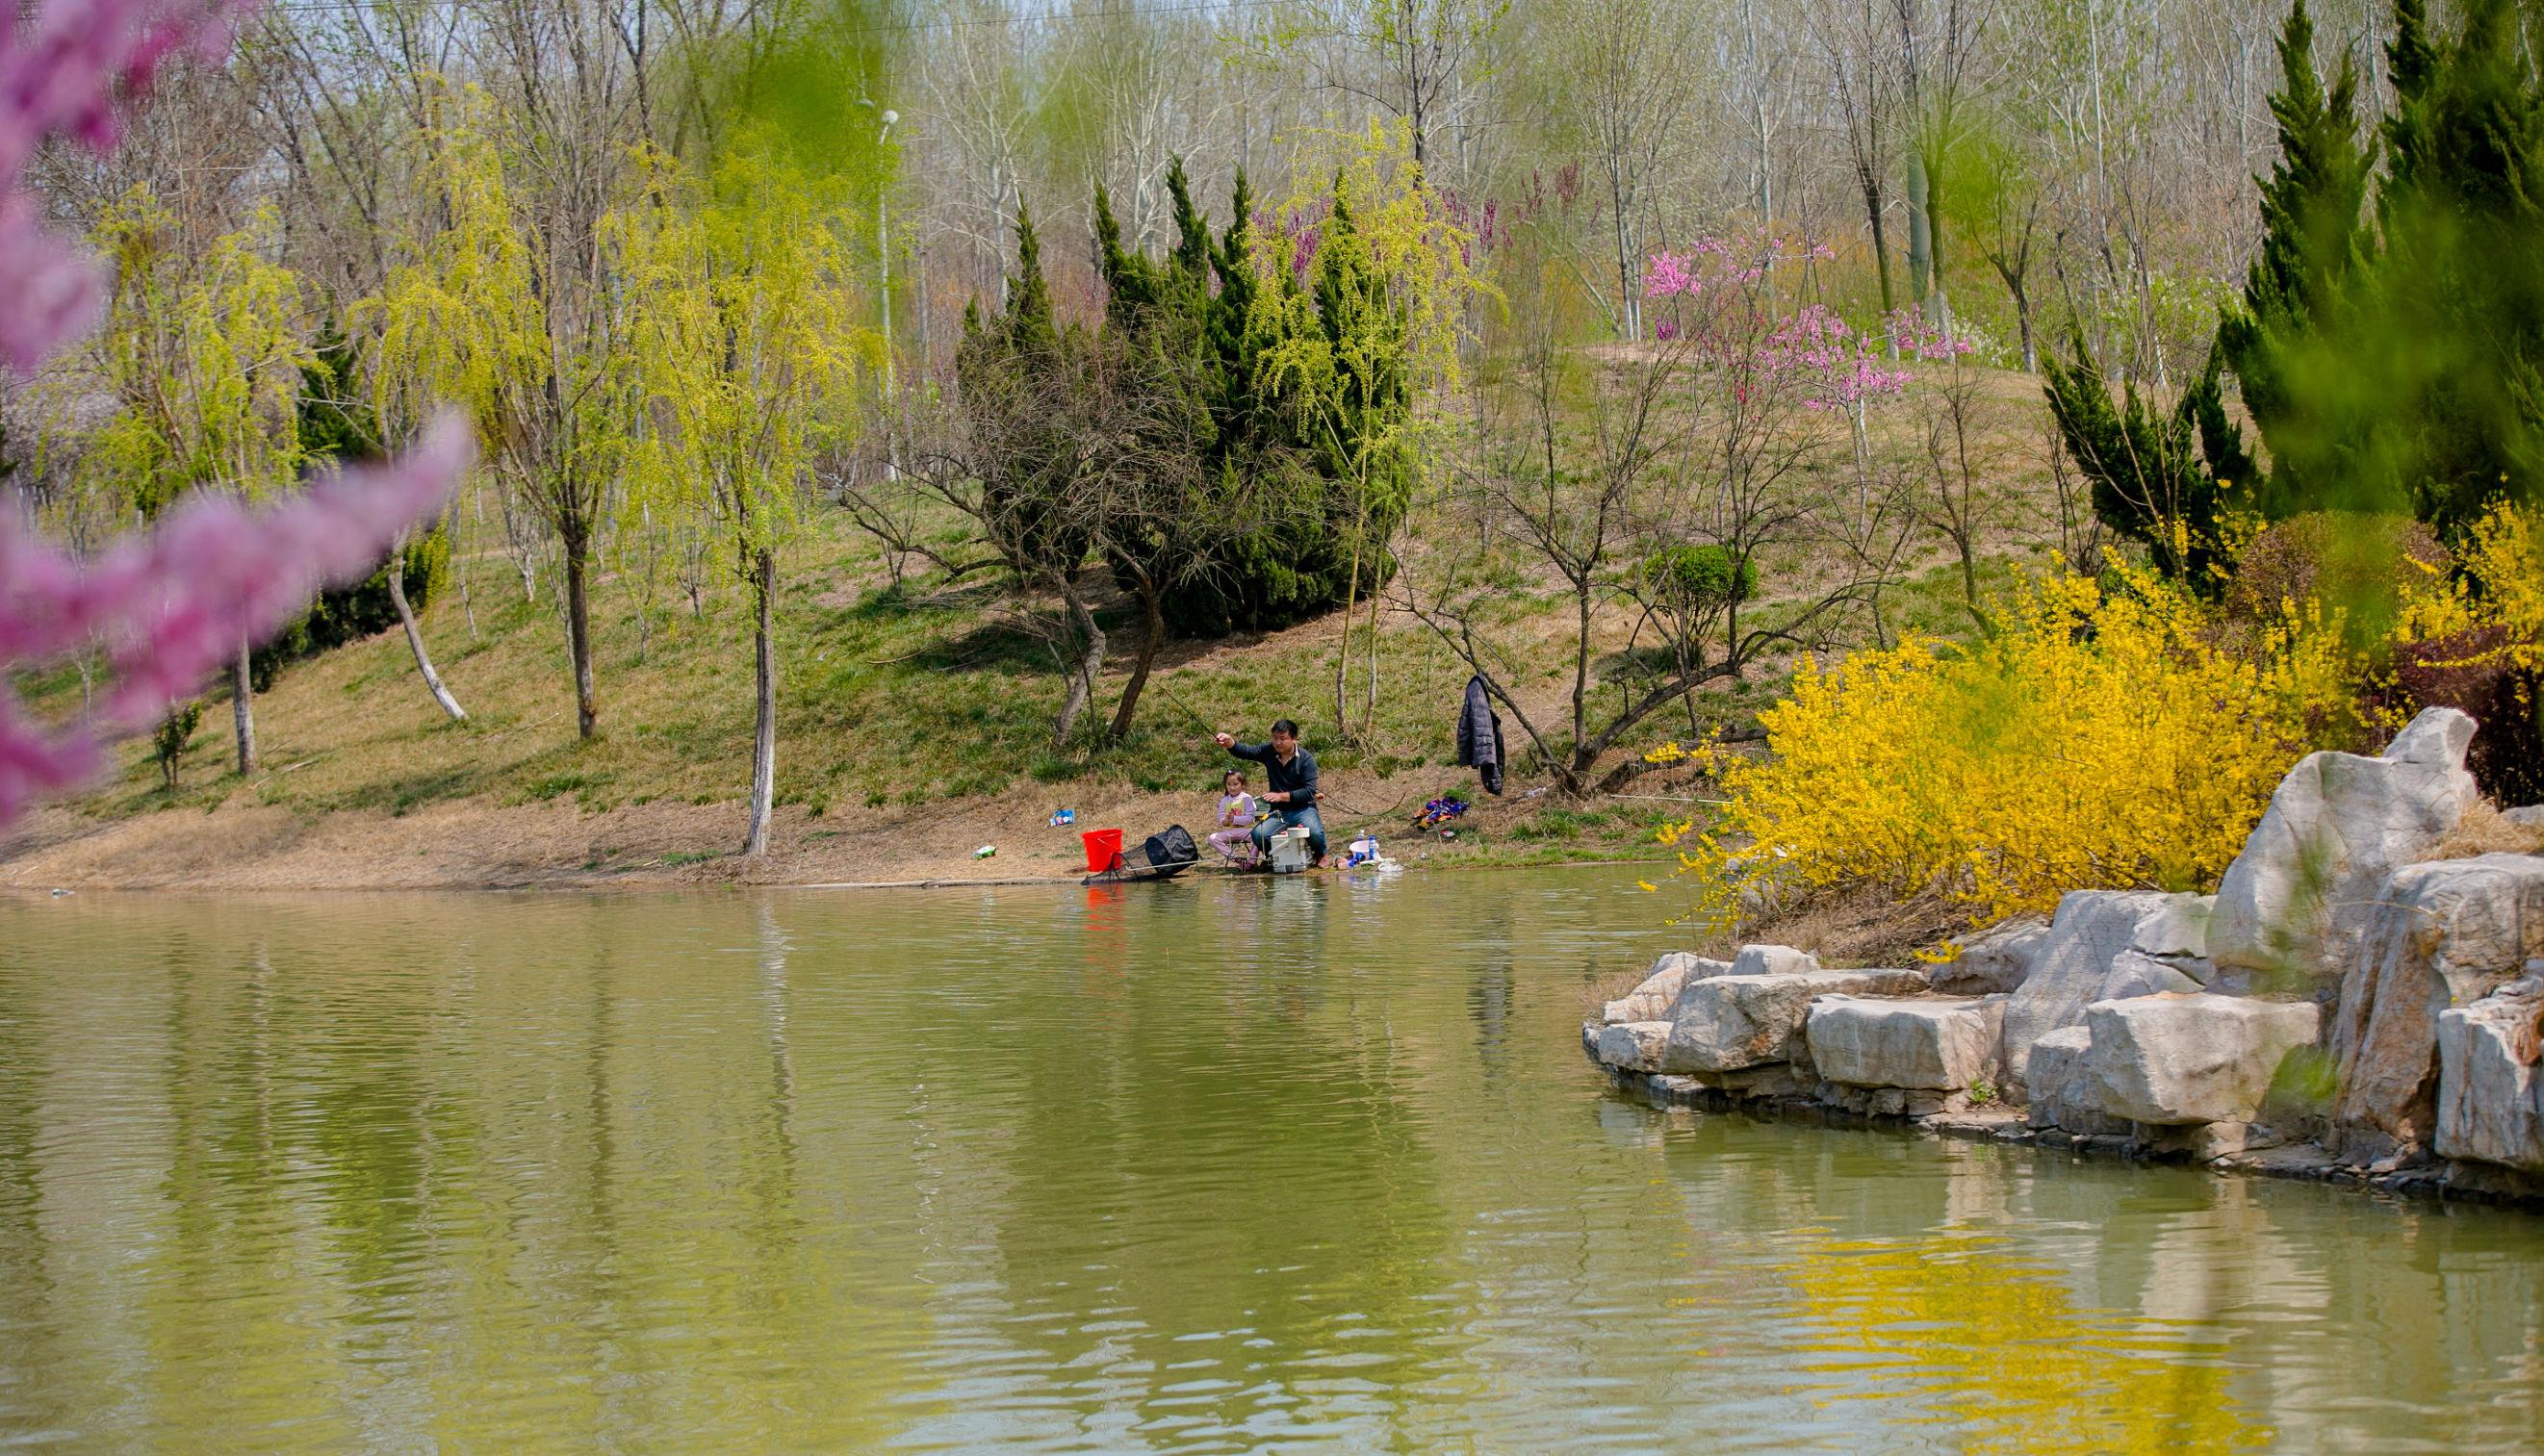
pixel 883 256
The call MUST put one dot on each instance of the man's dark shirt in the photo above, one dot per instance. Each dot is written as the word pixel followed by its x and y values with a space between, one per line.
pixel 1297 778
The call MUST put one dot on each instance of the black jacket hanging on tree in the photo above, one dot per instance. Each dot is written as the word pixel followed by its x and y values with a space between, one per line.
pixel 1480 735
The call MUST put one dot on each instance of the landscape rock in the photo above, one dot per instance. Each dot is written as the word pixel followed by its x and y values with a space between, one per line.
pixel 2296 901
pixel 1994 961
pixel 2069 966
pixel 1634 1046
pixel 1652 998
pixel 2057 1067
pixel 2490 1100
pixel 2176 930
pixel 2134 972
pixel 2443 934
pixel 2178 1059
pixel 1941 1045
pixel 1774 961
pixel 1727 1022
pixel 2525 817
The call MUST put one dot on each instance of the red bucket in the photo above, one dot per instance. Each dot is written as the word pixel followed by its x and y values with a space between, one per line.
pixel 1103 850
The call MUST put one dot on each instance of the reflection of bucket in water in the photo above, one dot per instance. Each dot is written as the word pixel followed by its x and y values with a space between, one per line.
pixel 1103 850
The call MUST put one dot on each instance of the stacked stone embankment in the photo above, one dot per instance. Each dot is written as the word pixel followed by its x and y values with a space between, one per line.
pixel 2341 1008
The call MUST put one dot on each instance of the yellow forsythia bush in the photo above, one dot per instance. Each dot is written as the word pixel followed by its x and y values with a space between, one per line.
pixel 2092 740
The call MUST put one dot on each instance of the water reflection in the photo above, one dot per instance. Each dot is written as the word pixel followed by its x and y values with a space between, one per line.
pixel 1203 1166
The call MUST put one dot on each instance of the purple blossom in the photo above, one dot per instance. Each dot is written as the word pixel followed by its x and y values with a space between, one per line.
pixel 171 605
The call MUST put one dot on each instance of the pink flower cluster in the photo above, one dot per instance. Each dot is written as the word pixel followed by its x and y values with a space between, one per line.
pixel 1724 307
pixel 1712 265
pixel 170 607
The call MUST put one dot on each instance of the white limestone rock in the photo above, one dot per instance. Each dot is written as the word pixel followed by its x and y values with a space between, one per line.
pixel 1652 998
pixel 1994 961
pixel 1728 1022
pixel 2134 972
pixel 2295 901
pixel 2525 817
pixel 2443 934
pixel 1939 1045
pixel 2069 966
pixel 2176 930
pixel 2490 1098
pixel 2180 1059
pixel 1634 1046
pixel 2057 1066
pixel 1774 961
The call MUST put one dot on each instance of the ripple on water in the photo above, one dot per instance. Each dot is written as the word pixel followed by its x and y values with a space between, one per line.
pixel 1216 1165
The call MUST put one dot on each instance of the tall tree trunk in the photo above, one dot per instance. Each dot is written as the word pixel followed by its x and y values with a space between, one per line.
pixel 1080 674
pixel 1351 603
pixel 763 737
pixel 242 714
pixel 1920 230
pixel 1880 236
pixel 415 634
pixel 1154 625
pixel 2015 289
pixel 578 630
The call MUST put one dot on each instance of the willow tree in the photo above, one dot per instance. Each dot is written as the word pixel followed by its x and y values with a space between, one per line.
pixel 1362 294
pixel 204 351
pixel 506 311
pixel 747 337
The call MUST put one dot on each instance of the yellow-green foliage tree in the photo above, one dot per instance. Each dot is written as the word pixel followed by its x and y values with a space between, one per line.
pixel 506 311
pixel 204 349
pixel 1363 286
pixel 747 337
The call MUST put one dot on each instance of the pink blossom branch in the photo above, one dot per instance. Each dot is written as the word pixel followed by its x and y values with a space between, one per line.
pixel 172 605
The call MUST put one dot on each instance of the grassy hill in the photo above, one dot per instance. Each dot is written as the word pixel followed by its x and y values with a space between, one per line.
pixel 921 714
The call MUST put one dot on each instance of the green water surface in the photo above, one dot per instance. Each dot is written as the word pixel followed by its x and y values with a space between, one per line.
pixel 1207 1166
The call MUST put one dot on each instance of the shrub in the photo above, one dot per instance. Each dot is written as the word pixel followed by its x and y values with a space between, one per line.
pixel 2348 561
pixel 1692 579
pixel 175 733
pixel 2476 642
pixel 2095 740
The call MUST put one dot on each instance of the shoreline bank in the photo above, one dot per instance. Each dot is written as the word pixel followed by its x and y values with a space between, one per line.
pixel 476 845
pixel 2291 1160
pixel 2361 1001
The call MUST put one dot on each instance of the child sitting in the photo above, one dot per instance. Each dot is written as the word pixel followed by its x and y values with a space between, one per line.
pixel 1233 838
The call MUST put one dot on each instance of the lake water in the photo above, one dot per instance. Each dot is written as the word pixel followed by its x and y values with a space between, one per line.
pixel 1198 1167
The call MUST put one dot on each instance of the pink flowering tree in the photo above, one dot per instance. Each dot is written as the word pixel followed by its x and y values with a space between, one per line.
pixel 1762 374
pixel 168 607
pixel 1687 495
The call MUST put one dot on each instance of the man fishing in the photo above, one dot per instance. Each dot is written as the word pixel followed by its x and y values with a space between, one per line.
pixel 1290 801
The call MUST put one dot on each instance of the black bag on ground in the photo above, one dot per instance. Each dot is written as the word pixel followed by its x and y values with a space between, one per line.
pixel 1173 847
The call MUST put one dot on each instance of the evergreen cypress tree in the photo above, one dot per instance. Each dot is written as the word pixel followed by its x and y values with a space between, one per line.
pixel 2286 341
pixel 2461 290
pixel 2145 465
pixel 1318 492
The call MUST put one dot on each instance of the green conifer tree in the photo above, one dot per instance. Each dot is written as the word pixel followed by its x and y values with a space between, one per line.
pixel 2461 289
pixel 2288 341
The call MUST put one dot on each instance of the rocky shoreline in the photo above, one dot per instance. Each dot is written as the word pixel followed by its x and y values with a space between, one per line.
pixel 2344 1010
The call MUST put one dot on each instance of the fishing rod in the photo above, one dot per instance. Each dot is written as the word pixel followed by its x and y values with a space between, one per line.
pixel 1198 721
pixel 1213 733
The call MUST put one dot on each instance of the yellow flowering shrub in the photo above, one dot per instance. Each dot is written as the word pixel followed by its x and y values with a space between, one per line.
pixel 2092 739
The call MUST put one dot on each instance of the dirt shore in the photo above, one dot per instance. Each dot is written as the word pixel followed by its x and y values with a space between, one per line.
pixel 474 844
